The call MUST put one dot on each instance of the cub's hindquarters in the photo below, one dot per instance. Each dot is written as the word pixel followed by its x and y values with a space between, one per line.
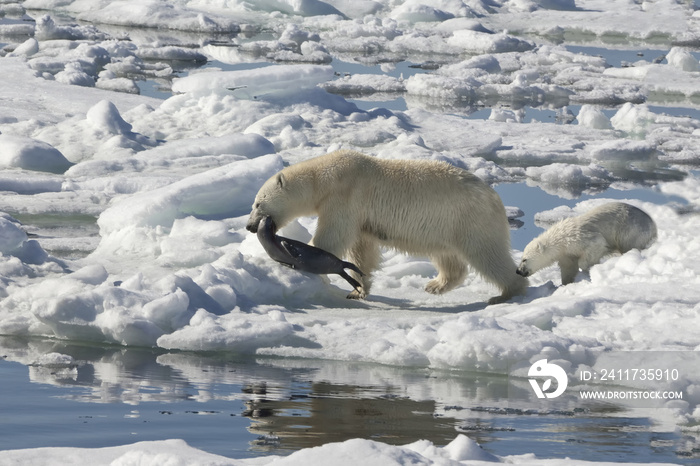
pixel 624 227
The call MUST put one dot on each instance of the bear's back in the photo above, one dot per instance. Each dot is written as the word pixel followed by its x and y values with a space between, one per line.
pixel 623 226
pixel 408 174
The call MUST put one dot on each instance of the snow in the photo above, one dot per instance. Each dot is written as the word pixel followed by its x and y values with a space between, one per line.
pixel 255 82
pixel 170 183
pixel 155 14
pixel 479 43
pixel 461 451
pixel 12 237
pixel 30 154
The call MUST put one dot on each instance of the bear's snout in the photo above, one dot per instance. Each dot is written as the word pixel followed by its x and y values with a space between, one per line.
pixel 252 225
pixel 522 271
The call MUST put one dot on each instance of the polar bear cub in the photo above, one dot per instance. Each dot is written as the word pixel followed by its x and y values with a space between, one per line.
pixel 581 242
pixel 420 207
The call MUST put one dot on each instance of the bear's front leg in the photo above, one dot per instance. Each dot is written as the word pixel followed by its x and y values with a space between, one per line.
pixel 569 269
pixel 366 255
pixel 335 234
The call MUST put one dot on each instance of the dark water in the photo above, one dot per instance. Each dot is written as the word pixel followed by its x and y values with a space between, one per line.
pixel 245 407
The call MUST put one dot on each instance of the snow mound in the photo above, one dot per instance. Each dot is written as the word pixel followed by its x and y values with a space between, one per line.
pixel 104 116
pixel 47 29
pixel 19 255
pixel 476 42
pixel 12 237
pixel 218 193
pixel 177 452
pixel 156 14
pixel 233 332
pixel 682 59
pixel 593 117
pixel 30 154
pixel 298 7
pixel 257 81
pixel 26 48
pixel 625 150
pixel 416 11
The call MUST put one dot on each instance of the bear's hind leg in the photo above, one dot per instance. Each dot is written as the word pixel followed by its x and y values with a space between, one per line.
pixel 516 287
pixel 497 266
pixel 365 254
pixel 451 273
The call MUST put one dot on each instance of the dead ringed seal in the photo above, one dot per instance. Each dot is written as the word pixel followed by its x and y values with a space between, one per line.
pixel 302 256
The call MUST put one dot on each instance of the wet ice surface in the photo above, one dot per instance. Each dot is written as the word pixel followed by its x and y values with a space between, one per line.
pixel 126 212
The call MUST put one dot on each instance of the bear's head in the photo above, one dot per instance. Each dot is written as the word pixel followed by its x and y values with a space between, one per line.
pixel 282 198
pixel 534 258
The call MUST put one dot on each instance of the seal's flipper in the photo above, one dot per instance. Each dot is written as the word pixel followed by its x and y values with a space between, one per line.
pixel 355 284
pixel 353 267
pixel 291 249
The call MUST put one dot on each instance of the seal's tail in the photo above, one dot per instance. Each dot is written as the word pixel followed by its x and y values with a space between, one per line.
pixel 353 267
pixel 355 284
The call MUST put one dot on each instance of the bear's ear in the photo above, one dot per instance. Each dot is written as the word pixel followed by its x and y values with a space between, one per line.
pixel 281 182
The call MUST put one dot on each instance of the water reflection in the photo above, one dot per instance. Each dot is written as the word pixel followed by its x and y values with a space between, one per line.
pixel 251 406
pixel 334 413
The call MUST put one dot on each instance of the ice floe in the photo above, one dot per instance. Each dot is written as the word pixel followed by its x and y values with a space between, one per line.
pixel 163 188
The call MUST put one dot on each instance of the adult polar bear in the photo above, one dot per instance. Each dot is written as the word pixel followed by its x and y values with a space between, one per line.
pixel 420 207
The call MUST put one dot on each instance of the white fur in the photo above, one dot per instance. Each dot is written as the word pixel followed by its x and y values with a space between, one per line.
pixel 419 207
pixel 581 242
